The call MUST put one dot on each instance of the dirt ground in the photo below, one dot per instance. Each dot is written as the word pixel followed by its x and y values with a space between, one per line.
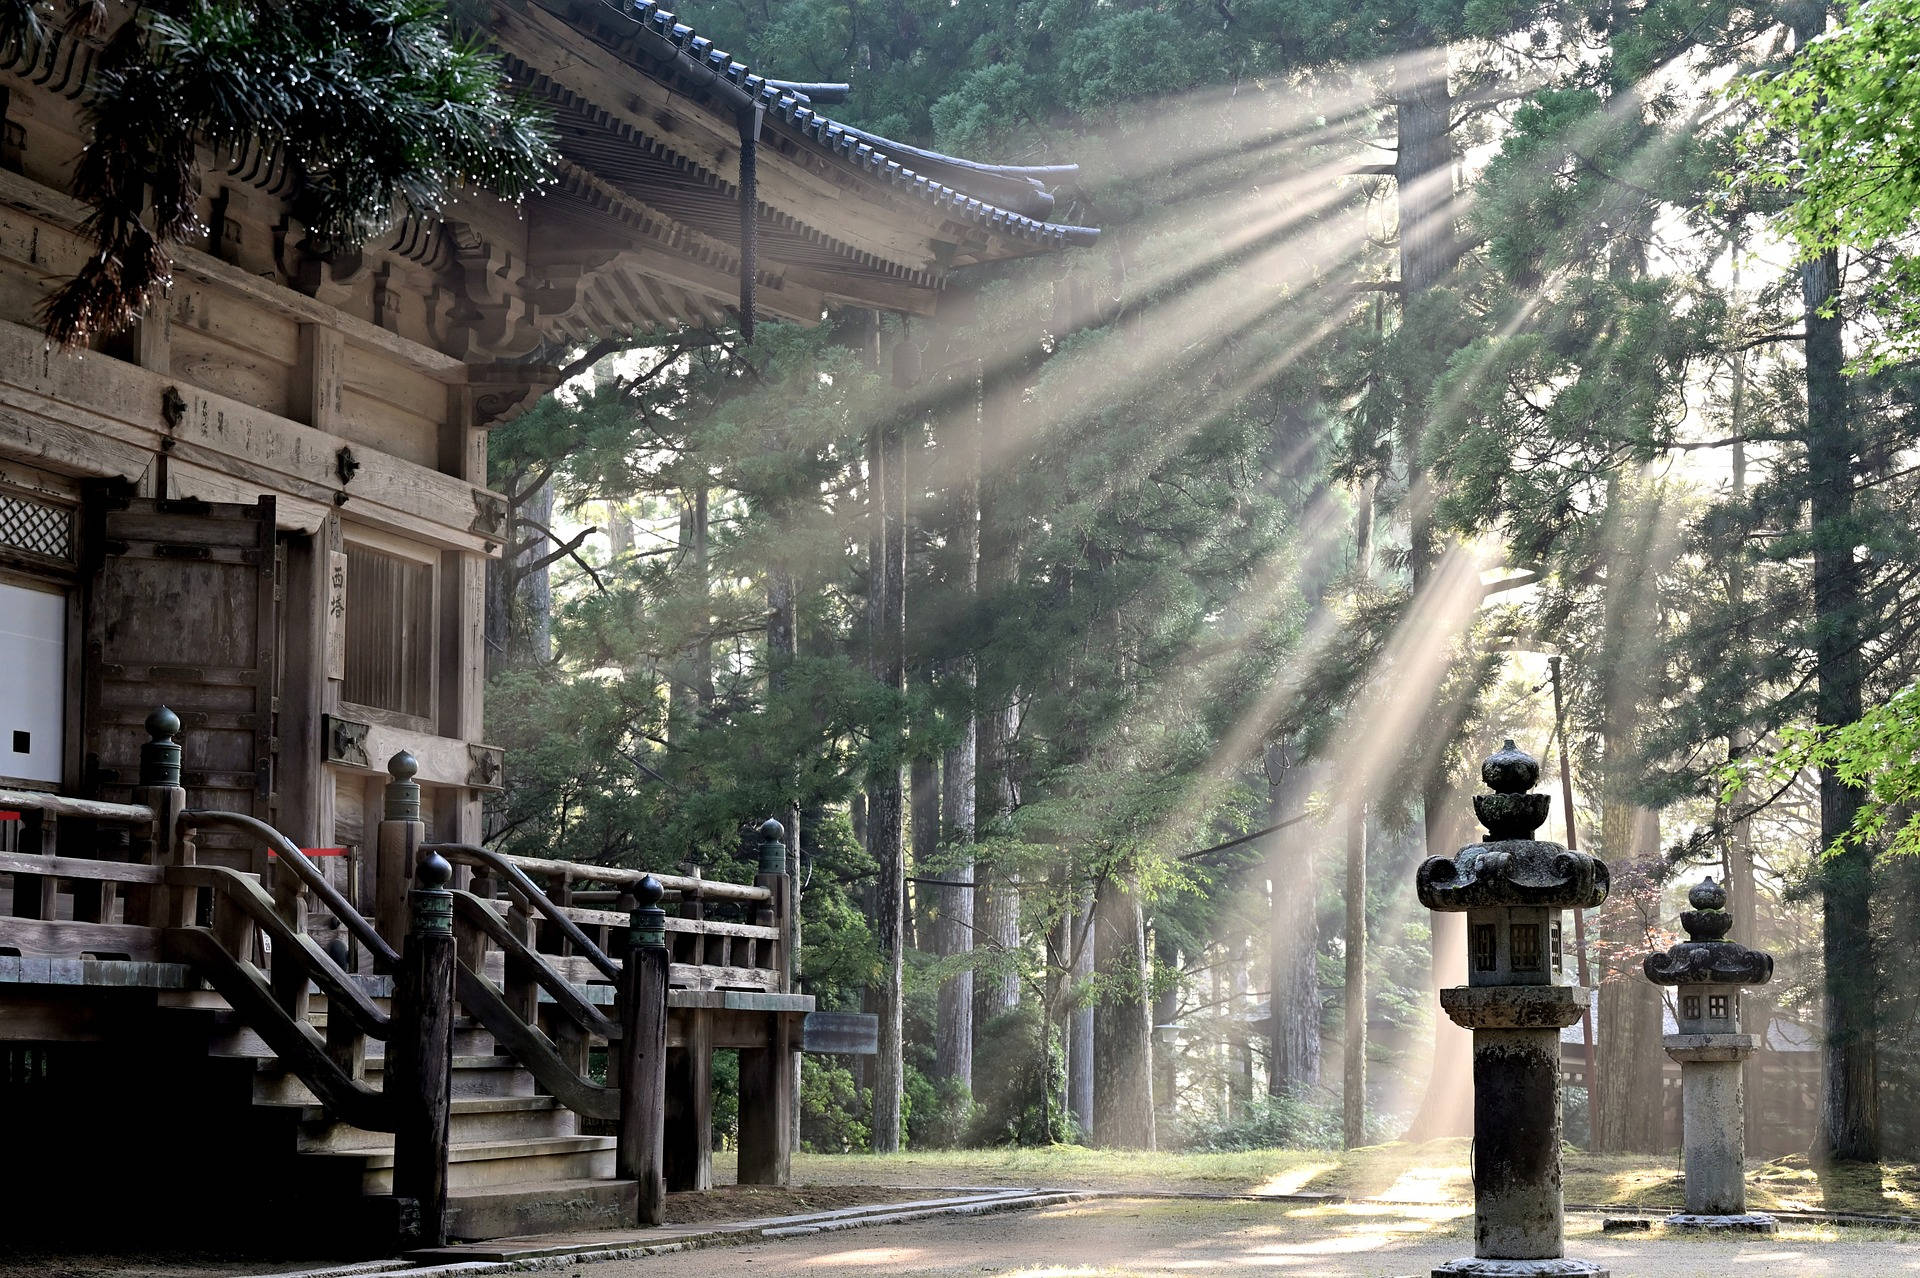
pixel 1153 1238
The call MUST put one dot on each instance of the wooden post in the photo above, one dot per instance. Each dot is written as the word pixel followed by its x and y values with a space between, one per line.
pixel 420 1078
pixel 689 1132
pixel 643 1053
pixel 289 971
pixel 766 1073
pixel 160 789
pixel 401 834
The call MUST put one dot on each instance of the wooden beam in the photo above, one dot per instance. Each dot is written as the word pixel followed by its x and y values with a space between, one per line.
pixel 25 194
pixel 125 405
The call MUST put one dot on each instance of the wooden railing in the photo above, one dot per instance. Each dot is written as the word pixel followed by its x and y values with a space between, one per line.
pixel 66 900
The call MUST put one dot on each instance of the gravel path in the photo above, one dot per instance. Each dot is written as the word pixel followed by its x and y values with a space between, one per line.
pixel 1181 1239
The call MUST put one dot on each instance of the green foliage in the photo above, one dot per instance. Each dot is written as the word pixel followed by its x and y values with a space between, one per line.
pixel 377 105
pixel 832 1113
pixel 1879 753
pixel 1270 1122
pixel 1836 128
pixel 1019 1074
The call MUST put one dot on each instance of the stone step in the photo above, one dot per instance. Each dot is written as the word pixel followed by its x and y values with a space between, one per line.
pixel 540 1207
pixel 478 1164
pixel 474 1119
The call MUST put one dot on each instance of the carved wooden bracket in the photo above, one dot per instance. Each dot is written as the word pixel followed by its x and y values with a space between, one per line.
pixel 488 770
pixel 344 741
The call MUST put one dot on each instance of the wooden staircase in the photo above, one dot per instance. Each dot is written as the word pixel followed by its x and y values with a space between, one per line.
pixel 518 1161
pixel 512 1058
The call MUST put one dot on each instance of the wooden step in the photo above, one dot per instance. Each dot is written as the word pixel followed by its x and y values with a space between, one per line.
pixel 472 1076
pixel 540 1207
pixel 474 1119
pixel 477 1164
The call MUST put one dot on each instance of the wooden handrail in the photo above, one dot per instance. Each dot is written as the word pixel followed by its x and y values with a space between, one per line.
pixel 530 1047
pixel 384 955
pixel 294 1042
pixel 87 809
pixel 472 911
pixel 343 994
pixel 705 889
pixel 506 868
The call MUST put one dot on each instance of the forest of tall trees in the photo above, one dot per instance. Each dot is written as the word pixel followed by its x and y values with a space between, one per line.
pixel 1114 642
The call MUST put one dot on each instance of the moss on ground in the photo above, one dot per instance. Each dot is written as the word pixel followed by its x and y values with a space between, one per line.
pixel 1433 1172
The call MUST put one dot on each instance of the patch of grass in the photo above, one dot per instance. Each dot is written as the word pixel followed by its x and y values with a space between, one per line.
pixel 1433 1172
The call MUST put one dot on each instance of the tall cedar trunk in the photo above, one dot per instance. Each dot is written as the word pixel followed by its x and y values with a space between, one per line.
pixel 953 929
pixel 703 585
pixel 924 784
pixel 1743 889
pixel 1122 1032
pixel 1239 1044
pixel 1625 1093
pixel 885 815
pixel 1165 1008
pixel 1353 1080
pixel 1080 1022
pixel 1850 1100
pixel 1423 168
pixel 781 649
pixel 996 901
pixel 1294 987
pixel 1626 1099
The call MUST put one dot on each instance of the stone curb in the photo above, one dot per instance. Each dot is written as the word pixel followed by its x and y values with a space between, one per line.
pixel 1010 1199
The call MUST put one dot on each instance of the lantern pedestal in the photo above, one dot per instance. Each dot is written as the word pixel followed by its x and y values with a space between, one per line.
pixel 1708 972
pixel 1512 889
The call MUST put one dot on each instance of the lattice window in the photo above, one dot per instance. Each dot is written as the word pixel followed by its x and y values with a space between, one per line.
pixel 37 527
pixel 390 632
pixel 1717 1006
pixel 1690 1007
pixel 1526 947
pixel 1483 947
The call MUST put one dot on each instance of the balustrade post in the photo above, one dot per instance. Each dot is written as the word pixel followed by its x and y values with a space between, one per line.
pixel 767 1073
pixel 289 971
pixel 643 1053
pixel 159 788
pixel 401 834
pixel 419 1076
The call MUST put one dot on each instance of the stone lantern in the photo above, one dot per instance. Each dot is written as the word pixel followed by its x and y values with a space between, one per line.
pixel 1512 889
pixel 1709 971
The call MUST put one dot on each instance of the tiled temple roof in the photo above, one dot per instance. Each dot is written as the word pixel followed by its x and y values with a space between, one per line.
pixel 1008 199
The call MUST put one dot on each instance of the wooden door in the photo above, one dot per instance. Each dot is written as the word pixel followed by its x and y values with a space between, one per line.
pixel 180 612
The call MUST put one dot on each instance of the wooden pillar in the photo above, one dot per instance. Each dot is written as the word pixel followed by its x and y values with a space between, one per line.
pixel 689 1134
pixel 643 1054
pixel 766 1107
pixel 401 833
pixel 766 1073
pixel 420 1080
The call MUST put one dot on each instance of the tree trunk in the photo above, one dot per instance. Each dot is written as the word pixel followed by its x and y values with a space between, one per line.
pixel 1080 1026
pixel 1294 987
pixel 1625 1101
pixel 925 787
pixel 1424 198
pixel 1850 1099
pixel 1165 1010
pixel 885 815
pixel 1353 1081
pixel 953 924
pixel 1122 1031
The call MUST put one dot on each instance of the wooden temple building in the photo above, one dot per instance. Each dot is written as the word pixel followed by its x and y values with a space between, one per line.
pixel 266 509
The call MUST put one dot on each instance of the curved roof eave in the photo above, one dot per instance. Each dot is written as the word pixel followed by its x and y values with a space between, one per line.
pixel 960 197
